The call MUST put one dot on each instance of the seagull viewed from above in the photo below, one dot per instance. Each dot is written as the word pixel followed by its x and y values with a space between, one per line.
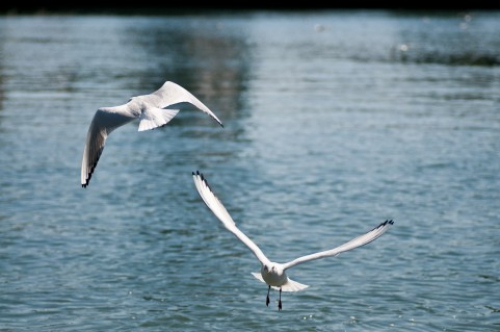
pixel 151 111
pixel 272 273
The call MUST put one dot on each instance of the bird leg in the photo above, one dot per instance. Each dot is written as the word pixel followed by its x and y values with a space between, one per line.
pixel 267 297
pixel 279 301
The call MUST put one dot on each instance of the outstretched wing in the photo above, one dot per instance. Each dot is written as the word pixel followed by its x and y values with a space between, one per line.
pixel 172 93
pixel 106 119
pixel 215 205
pixel 352 244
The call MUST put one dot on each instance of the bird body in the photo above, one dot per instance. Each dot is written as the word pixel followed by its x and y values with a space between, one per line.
pixel 153 110
pixel 272 273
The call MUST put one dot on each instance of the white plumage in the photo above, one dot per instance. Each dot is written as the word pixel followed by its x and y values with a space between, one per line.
pixel 151 111
pixel 272 273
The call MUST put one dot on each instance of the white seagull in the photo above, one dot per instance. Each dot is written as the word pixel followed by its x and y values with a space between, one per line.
pixel 272 273
pixel 151 111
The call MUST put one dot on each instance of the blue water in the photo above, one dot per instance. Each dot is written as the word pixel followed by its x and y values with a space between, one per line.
pixel 334 122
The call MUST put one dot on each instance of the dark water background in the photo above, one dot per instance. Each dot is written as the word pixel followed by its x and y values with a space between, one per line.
pixel 334 122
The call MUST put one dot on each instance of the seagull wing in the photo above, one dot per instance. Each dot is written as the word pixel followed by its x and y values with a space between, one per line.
pixel 215 205
pixel 352 244
pixel 106 119
pixel 171 93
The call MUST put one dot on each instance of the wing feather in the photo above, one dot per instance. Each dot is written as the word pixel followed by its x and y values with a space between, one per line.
pixel 352 244
pixel 215 205
pixel 105 120
pixel 171 94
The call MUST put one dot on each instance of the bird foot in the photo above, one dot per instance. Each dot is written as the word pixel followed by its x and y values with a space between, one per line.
pixel 279 305
pixel 267 301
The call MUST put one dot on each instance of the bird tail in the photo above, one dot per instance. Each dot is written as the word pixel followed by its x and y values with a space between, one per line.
pixel 290 286
pixel 293 286
pixel 153 118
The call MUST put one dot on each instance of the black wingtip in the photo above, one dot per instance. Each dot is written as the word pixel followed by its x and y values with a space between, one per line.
pixel 84 185
pixel 197 173
pixel 202 177
pixel 382 224
pixel 218 121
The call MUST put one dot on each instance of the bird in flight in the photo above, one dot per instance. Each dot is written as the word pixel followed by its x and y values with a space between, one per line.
pixel 272 273
pixel 151 111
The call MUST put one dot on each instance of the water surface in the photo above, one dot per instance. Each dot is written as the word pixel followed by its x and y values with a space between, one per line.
pixel 334 122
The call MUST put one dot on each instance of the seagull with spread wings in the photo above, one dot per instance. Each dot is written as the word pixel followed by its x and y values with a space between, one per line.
pixel 272 273
pixel 153 110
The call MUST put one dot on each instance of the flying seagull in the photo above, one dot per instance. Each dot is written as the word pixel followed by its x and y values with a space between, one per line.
pixel 272 273
pixel 151 111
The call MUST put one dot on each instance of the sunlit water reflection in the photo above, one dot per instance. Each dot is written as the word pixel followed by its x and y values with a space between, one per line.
pixel 334 122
